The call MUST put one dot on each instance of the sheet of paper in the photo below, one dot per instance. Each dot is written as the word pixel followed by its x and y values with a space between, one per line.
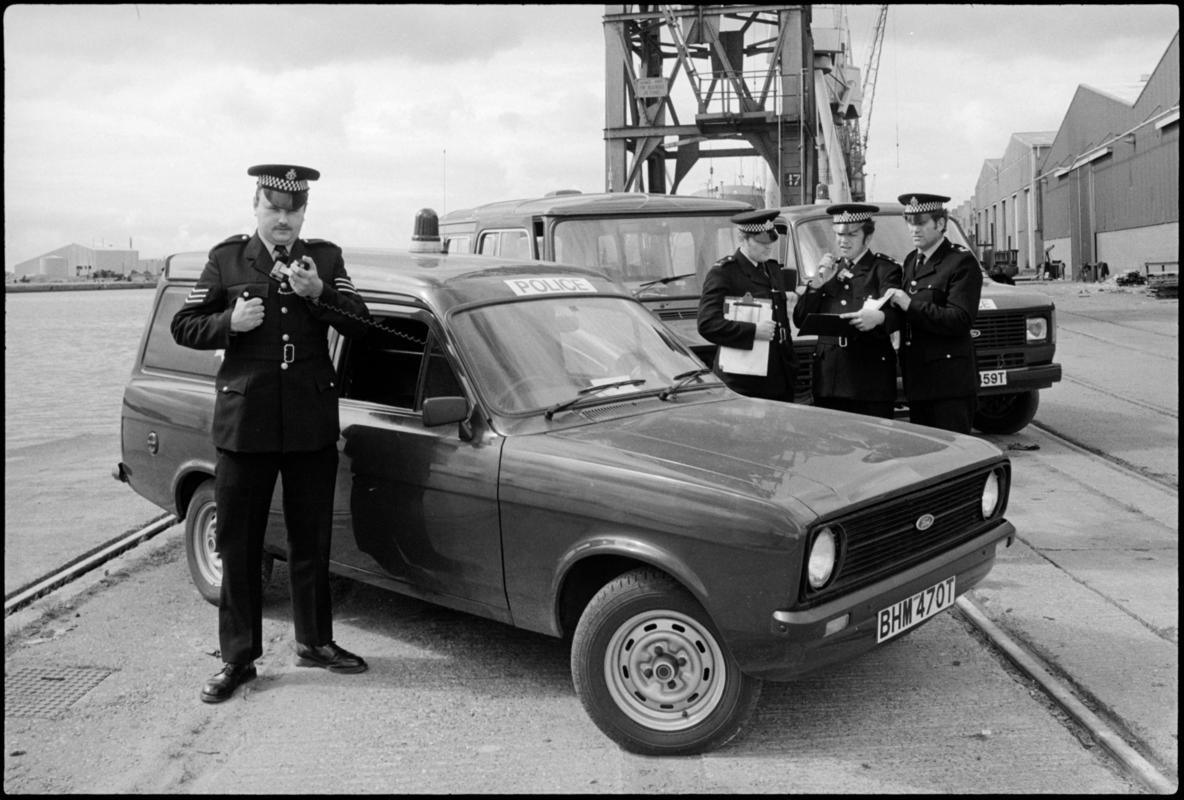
pixel 746 362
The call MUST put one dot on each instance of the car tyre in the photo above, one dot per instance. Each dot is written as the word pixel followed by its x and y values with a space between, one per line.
pixel 653 672
pixel 1006 413
pixel 201 545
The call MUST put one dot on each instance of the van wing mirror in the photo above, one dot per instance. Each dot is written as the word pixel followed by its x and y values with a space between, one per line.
pixel 444 410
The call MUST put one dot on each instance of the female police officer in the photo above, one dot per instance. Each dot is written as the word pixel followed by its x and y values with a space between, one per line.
pixel 854 371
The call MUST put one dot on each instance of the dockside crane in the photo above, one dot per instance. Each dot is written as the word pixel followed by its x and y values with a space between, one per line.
pixel 870 72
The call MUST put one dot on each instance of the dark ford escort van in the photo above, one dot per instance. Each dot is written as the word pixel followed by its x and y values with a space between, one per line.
pixel 526 442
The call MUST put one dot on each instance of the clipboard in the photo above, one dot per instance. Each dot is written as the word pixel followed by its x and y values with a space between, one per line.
pixel 756 360
pixel 827 325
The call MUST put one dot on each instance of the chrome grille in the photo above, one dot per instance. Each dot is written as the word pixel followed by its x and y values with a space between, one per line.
pixel 677 314
pixel 883 539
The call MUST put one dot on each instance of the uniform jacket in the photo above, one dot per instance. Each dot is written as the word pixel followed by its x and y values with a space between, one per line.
pixel 735 276
pixel 936 350
pixel 861 365
pixel 277 390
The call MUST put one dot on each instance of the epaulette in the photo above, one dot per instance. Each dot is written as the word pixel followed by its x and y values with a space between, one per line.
pixel 729 258
pixel 319 243
pixel 889 259
pixel 958 247
pixel 237 239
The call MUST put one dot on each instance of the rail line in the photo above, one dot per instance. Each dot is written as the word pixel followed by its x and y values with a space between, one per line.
pixel 84 563
pixel 1166 482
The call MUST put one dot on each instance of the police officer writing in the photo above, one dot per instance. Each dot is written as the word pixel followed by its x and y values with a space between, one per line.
pixel 268 301
pixel 939 298
pixel 749 275
pixel 856 370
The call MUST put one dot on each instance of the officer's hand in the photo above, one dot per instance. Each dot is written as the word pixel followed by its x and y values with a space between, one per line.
pixel 899 298
pixel 765 329
pixel 865 318
pixel 825 271
pixel 247 314
pixel 304 278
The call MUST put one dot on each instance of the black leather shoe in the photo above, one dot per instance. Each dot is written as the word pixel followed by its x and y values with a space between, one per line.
pixel 329 656
pixel 222 686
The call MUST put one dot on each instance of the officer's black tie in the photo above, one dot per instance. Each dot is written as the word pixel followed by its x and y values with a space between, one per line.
pixel 920 263
pixel 281 254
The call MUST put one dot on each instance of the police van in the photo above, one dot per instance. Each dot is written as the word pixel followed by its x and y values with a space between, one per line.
pixel 661 247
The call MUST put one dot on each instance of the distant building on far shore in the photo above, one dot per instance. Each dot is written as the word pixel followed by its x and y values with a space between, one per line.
pixel 78 262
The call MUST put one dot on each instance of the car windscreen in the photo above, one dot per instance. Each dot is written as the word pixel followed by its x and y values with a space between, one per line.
pixel 815 237
pixel 534 353
pixel 648 250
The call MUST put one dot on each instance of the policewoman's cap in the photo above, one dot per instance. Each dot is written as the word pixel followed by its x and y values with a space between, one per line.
pixel 923 203
pixel 851 212
pixel 756 222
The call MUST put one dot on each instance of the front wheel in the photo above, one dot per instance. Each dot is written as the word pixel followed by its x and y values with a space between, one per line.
pixel 1006 413
pixel 201 545
pixel 652 672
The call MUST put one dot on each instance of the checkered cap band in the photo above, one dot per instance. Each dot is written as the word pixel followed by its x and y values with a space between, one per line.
pixel 915 207
pixel 851 216
pixel 287 183
pixel 757 227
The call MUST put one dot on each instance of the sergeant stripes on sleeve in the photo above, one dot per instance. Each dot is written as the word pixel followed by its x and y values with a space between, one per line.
pixel 197 295
pixel 345 285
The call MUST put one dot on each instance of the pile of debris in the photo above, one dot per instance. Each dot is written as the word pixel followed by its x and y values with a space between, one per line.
pixel 1164 284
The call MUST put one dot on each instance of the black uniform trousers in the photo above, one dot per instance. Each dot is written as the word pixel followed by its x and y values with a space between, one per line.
pixel 243 487
pixel 954 414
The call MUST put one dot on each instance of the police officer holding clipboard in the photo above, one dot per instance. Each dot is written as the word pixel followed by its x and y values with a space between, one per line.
pixel 748 275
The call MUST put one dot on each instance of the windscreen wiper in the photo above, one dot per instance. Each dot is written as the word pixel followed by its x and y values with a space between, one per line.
pixel 682 379
pixel 588 392
pixel 648 284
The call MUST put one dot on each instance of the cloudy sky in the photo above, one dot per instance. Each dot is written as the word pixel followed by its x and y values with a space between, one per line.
pixel 138 122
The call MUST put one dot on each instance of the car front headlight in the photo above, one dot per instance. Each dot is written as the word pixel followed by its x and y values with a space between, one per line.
pixel 824 552
pixel 991 494
pixel 1037 329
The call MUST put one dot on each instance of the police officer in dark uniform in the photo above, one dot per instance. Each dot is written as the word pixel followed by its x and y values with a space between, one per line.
pixel 855 371
pixel 939 298
pixel 751 271
pixel 268 301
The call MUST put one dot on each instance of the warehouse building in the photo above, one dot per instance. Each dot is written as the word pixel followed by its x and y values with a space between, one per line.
pixel 1104 187
pixel 76 261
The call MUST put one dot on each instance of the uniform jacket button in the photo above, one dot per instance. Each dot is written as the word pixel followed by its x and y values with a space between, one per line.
pixel 283 366
pixel 283 309
pixel 285 337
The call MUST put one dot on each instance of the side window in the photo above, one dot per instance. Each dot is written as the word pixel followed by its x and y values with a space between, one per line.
pixel 487 245
pixel 515 244
pixel 459 244
pixel 384 365
pixel 388 365
pixel 163 352
pixel 439 380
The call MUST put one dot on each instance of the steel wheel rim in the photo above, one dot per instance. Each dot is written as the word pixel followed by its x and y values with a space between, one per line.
pixel 665 670
pixel 208 560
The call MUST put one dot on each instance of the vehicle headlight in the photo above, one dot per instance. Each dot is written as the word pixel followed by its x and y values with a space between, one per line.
pixel 823 552
pixel 991 495
pixel 1037 330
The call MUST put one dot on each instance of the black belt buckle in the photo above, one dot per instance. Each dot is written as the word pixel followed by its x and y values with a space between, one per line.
pixel 289 353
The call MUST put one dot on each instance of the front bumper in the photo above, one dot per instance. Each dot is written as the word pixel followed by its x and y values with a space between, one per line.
pixel 797 642
pixel 1026 379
